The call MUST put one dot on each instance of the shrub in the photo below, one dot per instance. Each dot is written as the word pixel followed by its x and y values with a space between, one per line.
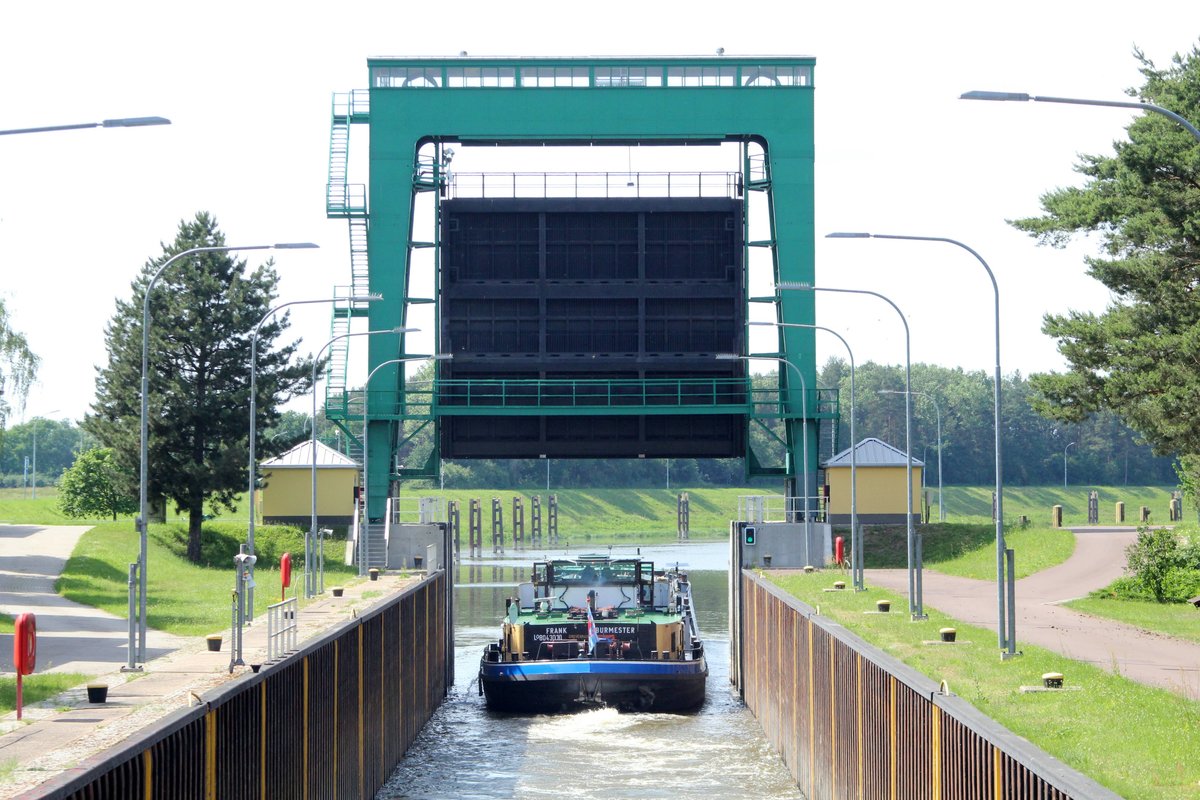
pixel 1180 585
pixel 1125 588
pixel 1155 554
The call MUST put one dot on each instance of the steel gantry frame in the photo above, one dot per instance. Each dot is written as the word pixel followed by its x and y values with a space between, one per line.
pixel 415 107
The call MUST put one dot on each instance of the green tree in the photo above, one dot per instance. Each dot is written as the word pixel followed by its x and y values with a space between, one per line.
pixel 202 313
pixel 1138 357
pixel 18 366
pixel 93 487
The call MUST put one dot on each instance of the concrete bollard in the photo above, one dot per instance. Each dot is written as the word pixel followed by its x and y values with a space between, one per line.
pixel 1120 513
pixel 1056 517
pixel 1144 514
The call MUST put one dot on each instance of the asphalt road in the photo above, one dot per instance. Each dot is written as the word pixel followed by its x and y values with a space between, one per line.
pixel 71 637
pixel 1099 558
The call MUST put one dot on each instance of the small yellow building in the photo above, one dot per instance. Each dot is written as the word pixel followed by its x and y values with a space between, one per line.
pixel 880 495
pixel 287 487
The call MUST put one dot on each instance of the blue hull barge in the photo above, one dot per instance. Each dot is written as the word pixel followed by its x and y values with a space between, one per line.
pixel 597 631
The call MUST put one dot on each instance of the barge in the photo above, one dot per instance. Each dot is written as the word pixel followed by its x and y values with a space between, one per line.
pixel 597 631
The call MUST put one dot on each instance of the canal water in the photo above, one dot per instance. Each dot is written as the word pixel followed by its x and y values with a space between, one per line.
pixel 466 751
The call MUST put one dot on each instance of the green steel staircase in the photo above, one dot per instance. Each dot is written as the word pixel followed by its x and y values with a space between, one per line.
pixel 344 200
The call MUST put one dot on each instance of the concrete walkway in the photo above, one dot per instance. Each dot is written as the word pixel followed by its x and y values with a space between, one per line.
pixel 57 734
pixel 1099 558
pixel 71 637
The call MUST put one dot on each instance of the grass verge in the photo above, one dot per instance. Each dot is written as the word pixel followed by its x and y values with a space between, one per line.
pixel 7 623
pixel 1134 739
pixel 1181 620
pixel 967 550
pixel 35 688
pixel 182 598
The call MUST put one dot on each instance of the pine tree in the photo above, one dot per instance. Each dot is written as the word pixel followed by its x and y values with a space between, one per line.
pixel 1139 357
pixel 202 312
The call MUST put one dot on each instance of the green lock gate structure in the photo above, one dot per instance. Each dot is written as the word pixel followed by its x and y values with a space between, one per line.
pixel 545 350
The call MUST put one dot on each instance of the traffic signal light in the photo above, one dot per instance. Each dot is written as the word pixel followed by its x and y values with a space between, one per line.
pixel 748 534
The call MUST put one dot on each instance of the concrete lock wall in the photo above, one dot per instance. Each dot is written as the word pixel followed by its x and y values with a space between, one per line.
pixel 851 721
pixel 781 545
pixel 408 545
pixel 331 720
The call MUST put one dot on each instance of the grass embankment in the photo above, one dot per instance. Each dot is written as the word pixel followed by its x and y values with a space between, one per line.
pixel 7 623
pixel 184 598
pixel 1134 739
pixel 965 550
pixel 35 688
pixel 613 516
pixel 971 503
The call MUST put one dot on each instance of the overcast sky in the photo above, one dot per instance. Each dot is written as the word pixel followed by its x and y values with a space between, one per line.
pixel 248 88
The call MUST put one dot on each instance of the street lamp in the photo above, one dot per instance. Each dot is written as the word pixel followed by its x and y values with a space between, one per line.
pixel 362 554
pixel 1065 449
pixel 1006 624
pixel 35 427
pixel 803 430
pixel 126 122
pixel 142 519
pixel 937 409
pixel 1021 97
pixel 314 547
pixel 916 605
pixel 856 542
pixel 253 466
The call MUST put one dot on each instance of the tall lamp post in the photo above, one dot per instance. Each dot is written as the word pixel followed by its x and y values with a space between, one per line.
pixel 916 605
pixel 124 122
pixel 1021 97
pixel 938 411
pixel 143 516
pixel 35 427
pixel 314 546
pixel 856 542
pixel 803 430
pixel 363 556
pixel 1006 623
pixel 1065 449
pixel 253 466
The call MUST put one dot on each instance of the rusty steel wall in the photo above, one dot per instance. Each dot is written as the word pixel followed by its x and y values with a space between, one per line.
pixel 853 723
pixel 329 721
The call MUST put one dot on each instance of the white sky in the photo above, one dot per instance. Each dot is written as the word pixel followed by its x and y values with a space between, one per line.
pixel 248 88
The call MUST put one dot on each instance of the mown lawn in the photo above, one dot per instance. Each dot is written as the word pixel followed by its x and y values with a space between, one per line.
pixel 1137 740
pixel 971 503
pixel 1173 619
pixel 614 516
pixel 35 688
pixel 967 550
pixel 182 598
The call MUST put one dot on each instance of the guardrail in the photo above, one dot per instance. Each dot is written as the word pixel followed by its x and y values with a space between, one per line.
pixel 331 721
pixel 282 627
pixel 851 721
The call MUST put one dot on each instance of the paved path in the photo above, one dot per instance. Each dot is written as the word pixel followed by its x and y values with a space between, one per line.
pixel 60 733
pixel 1099 558
pixel 71 637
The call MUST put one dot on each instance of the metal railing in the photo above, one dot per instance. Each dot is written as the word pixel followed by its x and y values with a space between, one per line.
pixel 594 184
pixel 824 698
pixel 283 623
pixel 777 508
